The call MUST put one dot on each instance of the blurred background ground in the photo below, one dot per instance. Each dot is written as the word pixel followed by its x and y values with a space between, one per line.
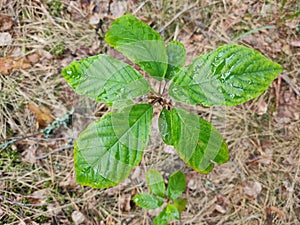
pixel 259 185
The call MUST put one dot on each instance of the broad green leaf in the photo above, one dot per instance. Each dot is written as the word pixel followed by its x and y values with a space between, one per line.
pixel 176 58
pixel 139 43
pixel 197 142
pixel 156 182
pixel 170 212
pixel 165 126
pixel 109 148
pixel 105 79
pixel 147 201
pixel 227 76
pixel 180 204
pixel 176 185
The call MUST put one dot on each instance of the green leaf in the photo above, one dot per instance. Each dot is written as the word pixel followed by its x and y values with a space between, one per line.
pixel 165 126
pixel 109 148
pixel 180 204
pixel 156 182
pixel 176 58
pixel 170 212
pixel 105 79
pixel 139 43
pixel 176 185
pixel 227 76
pixel 147 201
pixel 197 142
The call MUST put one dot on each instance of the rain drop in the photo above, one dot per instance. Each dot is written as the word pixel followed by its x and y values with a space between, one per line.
pixel 220 54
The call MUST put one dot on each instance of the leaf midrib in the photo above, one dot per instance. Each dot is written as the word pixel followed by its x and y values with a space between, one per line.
pixel 198 145
pixel 211 78
pixel 117 140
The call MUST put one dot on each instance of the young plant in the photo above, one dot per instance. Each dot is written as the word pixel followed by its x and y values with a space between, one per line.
pixel 110 147
pixel 173 205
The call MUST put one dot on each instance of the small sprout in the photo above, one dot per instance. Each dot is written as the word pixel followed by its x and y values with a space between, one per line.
pixel 176 186
pixel 55 8
pixel 58 48
pixel 109 148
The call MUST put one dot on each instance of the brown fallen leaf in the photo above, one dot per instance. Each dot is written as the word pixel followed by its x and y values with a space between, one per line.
pixel 270 212
pixel 69 181
pixel 221 205
pixel 110 221
pixel 9 63
pixel 252 189
pixel 124 202
pixel 34 58
pixel 29 155
pixel 38 197
pixel 42 114
pixel 6 23
pixel 289 106
pixel 261 107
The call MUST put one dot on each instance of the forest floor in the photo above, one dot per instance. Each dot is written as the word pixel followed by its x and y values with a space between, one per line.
pixel 260 184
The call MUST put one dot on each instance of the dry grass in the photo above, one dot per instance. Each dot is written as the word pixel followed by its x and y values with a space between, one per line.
pixel 264 142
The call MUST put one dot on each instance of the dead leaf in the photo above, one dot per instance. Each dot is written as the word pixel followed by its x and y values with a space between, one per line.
pixel 42 114
pixel 69 181
pixel 295 43
pixel 262 107
pixel 220 209
pixel 110 221
pixel 272 209
pixel 54 209
pixel 29 155
pixel 267 157
pixel 252 189
pixel 124 202
pixel 289 107
pixel 118 8
pixel 254 40
pixel 33 58
pixel 221 205
pixel 6 23
pixel 38 197
pixel 5 39
pixel 288 187
pixel 193 181
pixel 9 63
pixel 287 50
pixel 82 51
pixel 16 52
pixel 78 217
pixel 45 54
pixel 94 19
